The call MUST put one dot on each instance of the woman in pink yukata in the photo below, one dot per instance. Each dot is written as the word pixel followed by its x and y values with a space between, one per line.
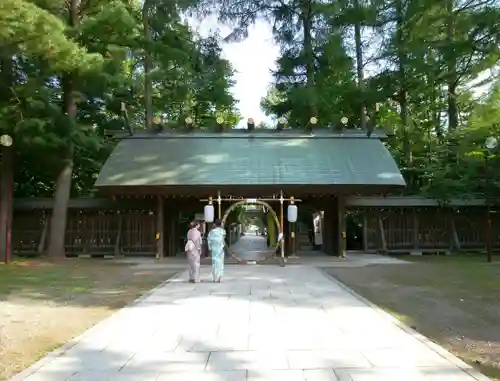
pixel 193 251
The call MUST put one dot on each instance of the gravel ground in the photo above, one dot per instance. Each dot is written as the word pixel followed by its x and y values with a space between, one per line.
pixel 44 304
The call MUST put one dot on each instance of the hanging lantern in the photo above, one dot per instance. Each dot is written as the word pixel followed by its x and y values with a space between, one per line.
pixel 292 213
pixel 209 213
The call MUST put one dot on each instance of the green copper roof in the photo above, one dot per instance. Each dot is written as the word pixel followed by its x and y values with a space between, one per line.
pixel 245 160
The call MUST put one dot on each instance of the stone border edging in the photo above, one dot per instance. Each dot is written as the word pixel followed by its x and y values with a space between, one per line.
pixel 47 358
pixel 462 365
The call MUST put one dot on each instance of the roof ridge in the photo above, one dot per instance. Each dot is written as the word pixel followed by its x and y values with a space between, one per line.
pixel 244 133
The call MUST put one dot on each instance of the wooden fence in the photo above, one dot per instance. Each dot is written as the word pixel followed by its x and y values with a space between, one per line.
pixel 391 225
pixel 413 224
pixel 94 226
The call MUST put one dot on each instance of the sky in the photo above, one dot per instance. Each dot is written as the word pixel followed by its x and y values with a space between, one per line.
pixel 252 59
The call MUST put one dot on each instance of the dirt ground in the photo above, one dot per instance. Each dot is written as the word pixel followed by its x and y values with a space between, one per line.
pixel 43 304
pixel 455 301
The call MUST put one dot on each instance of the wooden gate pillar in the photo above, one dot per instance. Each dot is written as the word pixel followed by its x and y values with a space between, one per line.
pixel 219 205
pixel 160 229
pixel 329 227
pixel 341 232
pixel 365 230
pixel 172 218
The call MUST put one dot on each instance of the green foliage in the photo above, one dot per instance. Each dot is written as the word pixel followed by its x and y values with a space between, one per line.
pixel 422 77
pixel 25 28
pixel 420 61
pixel 103 49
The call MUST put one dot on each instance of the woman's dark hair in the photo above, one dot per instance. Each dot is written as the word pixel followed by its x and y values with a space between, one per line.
pixel 193 224
pixel 218 222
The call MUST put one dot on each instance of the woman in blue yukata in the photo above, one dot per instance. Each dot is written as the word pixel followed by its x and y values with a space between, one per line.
pixel 216 243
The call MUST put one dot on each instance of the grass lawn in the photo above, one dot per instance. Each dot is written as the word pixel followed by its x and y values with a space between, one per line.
pixel 43 304
pixel 454 300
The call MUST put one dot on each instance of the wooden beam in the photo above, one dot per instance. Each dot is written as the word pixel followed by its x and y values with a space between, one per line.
pixel 173 213
pixel 119 236
pixel 365 231
pixel 409 202
pixel 86 235
pixel 326 229
pixel 341 227
pixel 160 252
pixel 415 229
pixel 82 203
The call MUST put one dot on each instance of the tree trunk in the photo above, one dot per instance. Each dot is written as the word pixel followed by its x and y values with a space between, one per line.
pixel 451 61
pixel 434 118
pixel 6 200
pixel 452 101
pixel 148 67
pixel 60 210
pixel 6 77
pixel 403 90
pixel 359 67
pixel 63 184
pixel 7 169
pixel 307 19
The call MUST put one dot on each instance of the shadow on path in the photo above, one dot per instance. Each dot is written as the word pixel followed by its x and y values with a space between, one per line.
pixel 251 247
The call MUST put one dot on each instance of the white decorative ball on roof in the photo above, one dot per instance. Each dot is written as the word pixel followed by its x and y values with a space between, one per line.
pixel 6 140
pixel 491 142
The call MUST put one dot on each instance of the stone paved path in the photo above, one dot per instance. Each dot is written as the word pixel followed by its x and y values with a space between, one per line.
pixel 262 323
pixel 251 247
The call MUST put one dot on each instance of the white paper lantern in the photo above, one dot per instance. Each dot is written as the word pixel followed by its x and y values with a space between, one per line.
pixel 292 212
pixel 209 213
